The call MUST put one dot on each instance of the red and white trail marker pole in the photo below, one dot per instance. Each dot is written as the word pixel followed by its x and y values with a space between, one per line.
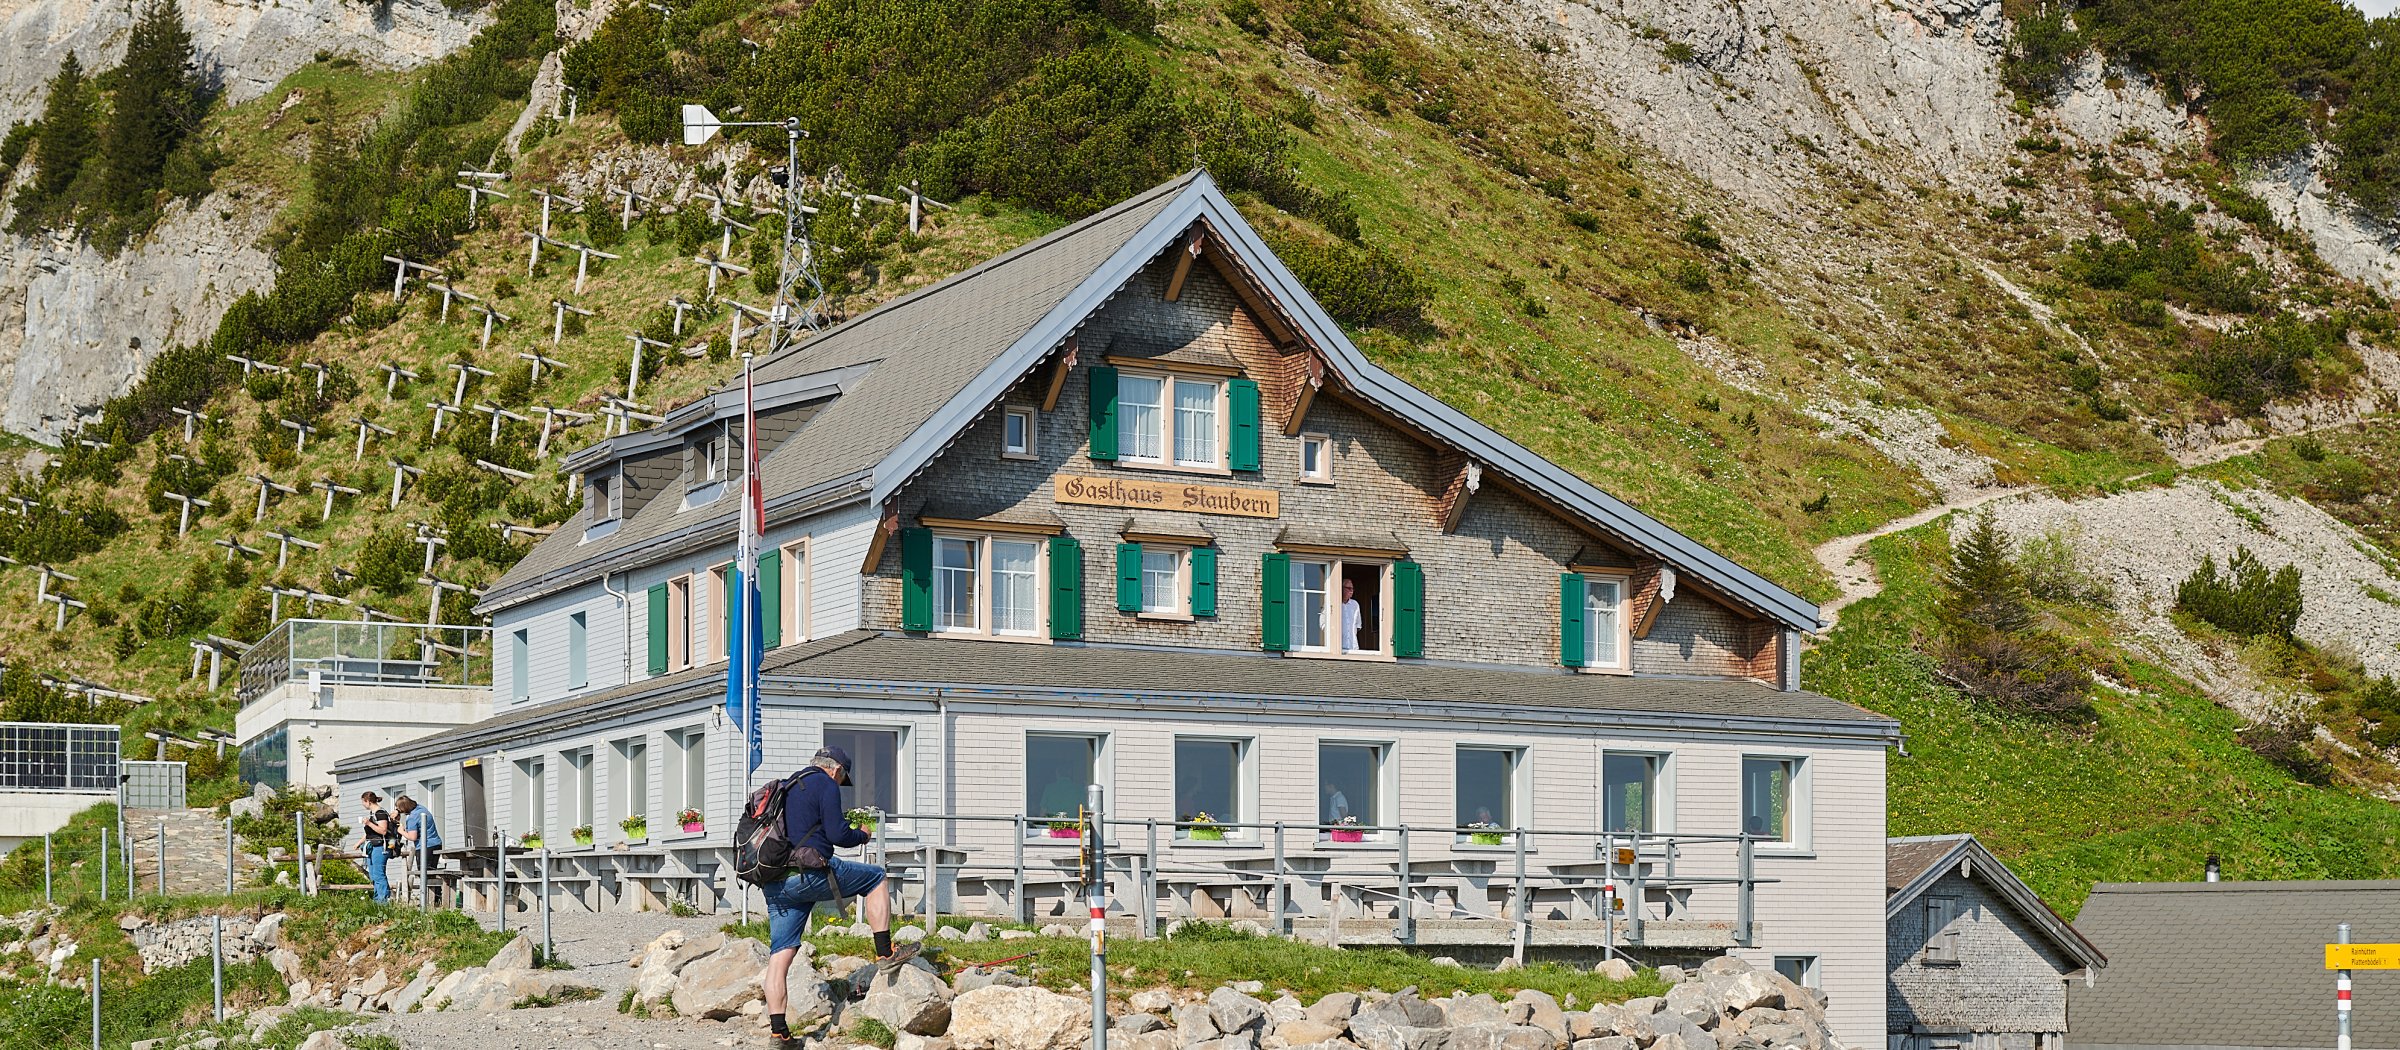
pixel 2341 994
pixel 1095 838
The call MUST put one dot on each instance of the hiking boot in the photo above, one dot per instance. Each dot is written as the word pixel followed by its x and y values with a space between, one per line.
pixel 901 954
pixel 785 1042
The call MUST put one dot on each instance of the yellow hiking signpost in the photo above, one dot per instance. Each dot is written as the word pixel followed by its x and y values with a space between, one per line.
pixel 2362 956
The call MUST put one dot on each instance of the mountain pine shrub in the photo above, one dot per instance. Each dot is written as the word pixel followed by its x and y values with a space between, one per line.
pixel 1992 648
pixel 2245 598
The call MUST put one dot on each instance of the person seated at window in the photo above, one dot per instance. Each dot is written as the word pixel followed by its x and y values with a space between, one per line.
pixel 1337 805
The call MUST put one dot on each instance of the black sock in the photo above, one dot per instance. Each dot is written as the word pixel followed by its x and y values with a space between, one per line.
pixel 883 943
pixel 775 1023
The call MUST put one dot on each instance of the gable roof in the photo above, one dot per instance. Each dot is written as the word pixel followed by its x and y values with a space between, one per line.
pixel 1914 865
pixel 944 355
pixel 2232 964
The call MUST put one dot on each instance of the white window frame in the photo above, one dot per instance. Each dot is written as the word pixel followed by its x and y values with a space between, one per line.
pixel 687 749
pixel 720 578
pixel 1520 770
pixel 1662 784
pixel 716 454
pixel 985 625
pixel 1797 837
pixel 579 796
pixel 1179 590
pixel 1245 786
pixel 1103 771
pixel 520 664
pixel 1385 784
pixel 904 793
pixel 1323 475
pixel 1030 419
pixel 435 800
pixel 1805 964
pixel 1332 649
pixel 529 798
pixel 679 623
pixel 579 651
pixel 1623 582
pixel 796 586
pixel 606 492
pixel 628 782
pixel 1167 459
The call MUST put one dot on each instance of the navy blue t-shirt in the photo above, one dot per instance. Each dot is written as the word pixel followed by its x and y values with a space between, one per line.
pixel 813 814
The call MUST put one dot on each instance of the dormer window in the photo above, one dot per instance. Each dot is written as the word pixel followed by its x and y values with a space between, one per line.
pixel 1170 420
pixel 604 496
pixel 712 451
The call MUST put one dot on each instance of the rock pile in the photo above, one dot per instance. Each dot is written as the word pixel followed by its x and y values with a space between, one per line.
pixel 508 979
pixel 164 946
pixel 35 935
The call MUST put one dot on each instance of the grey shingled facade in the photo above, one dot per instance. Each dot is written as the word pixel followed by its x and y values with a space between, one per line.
pixel 1976 961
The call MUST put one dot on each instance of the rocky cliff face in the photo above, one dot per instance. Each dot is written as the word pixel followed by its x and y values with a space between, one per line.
pixel 77 328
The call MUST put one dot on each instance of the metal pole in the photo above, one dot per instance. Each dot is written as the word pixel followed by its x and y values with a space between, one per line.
pixel 45 867
pixel 299 853
pixel 229 855
pixel 1016 889
pixel 2341 994
pixel 162 858
pixel 1098 894
pixel 543 859
pixel 103 863
pixel 500 880
pixel 1150 882
pixel 125 848
pixel 96 999
pixel 1746 906
pixel 1524 921
pixel 1408 904
pixel 216 968
pixel 1277 889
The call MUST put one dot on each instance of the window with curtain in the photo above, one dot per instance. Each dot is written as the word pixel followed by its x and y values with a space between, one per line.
pixel 1196 423
pixel 1311 600
pixel 1141 418
pixel 1602 622
pixel 1015 595
pixel 954 579
pixel 1162 581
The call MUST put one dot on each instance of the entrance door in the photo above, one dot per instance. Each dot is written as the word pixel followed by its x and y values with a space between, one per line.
pixel 474 824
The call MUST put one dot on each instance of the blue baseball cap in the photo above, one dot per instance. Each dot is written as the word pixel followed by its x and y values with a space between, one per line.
pixel 838 756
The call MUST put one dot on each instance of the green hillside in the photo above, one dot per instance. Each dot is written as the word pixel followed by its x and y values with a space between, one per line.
pixel 1476 238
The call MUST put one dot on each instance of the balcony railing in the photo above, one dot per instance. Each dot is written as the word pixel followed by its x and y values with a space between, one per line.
pixel 351 652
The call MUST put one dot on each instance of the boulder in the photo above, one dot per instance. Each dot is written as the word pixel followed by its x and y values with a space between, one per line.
pixel 1018 935
pixel 1284 1009
pixel 1243 1041
pixel 1161 1039
pixel 952 933
pixel 446 989
pixel 909 998
pixel 1746 989
pixel 412 993
pixel 1334 1010
pixel 1307 1033
pixel 286 964
pixel 908 935
pixel 1443 960
pixel 1136 1024
pixel 1400 1022
pixel 1692 1002
pixel 985 977
pixel 905 1041
pixel 666 957
pixel 716 986
pixel 1237 1014
pixel 1152 1001
pixel 1465 1010
pixel 1689 1039
pixel 1195 1023
pixel 131 921
pixel 322 1040
pixel 269 931
pixel 1058 930
pixel 1608 1042
pixel 1541 1010
pixel 1670 973
pixel 1615 970
pixel 979 931
pixel 1498 1037
pixel 1001 1018
pixel 515 955
pixel 807 999
pixel 1725 965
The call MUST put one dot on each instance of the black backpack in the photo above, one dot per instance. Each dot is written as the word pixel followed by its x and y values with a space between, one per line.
pixel 763 854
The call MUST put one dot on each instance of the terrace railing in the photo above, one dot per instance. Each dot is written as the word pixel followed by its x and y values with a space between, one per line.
pixel 355 652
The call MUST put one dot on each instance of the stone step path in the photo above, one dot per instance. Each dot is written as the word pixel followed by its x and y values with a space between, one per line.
pixel 195 851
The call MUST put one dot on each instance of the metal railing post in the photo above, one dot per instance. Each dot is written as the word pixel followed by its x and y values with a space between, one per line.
pixel 1016 892
pixel 125 851
pixel 1408 904
pixel 96 1004
pixel 1524 904
pixel 543 858
pixel 103 863
pixel 1744 906
pixel 216 967
pixel 46 867
pixel 1633 884
pixel 229 856
pixel 299 852
pixel 1150 874
pixel 1098 895
pixel 162 858
pixel 1277 890
pixel 500 880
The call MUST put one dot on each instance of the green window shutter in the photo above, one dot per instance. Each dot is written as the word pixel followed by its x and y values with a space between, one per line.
pixel 916 579
pixel 1570 619
pixel 1408 600
pixel 1204 581
pixel 1243 394
pixel 1104 412
pixel 1066 587
pixel 1129 577
pixel 1275 602
pixel 658 628
pixel 770 599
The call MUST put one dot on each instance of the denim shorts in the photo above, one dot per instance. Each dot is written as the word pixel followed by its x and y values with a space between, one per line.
pixel 789 902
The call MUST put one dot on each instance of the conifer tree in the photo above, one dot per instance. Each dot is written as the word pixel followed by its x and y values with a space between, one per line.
pixel 65 143
pixel 158 102
pixel 1984 587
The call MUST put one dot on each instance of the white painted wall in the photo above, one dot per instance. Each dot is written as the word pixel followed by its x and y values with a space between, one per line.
pixel 351 720
pixel 26 816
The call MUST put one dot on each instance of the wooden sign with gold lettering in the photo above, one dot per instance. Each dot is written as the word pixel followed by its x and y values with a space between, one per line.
pixel 1147 494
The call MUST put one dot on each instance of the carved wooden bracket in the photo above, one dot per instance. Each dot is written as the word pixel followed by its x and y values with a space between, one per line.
pixel 1058 376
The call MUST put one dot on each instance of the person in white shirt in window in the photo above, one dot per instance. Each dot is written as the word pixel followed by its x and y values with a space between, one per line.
pixel 1337 805
pixel 1350 617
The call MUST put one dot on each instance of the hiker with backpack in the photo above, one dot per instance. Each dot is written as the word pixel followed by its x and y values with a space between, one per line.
pixel 785 846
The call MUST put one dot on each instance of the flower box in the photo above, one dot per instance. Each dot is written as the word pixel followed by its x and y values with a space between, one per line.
pixel 1066 833
pixel 694 827
pixel 1348 835
pixel 1208 834
pixel 1486 838
pixel 530 842
pixel 583 840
